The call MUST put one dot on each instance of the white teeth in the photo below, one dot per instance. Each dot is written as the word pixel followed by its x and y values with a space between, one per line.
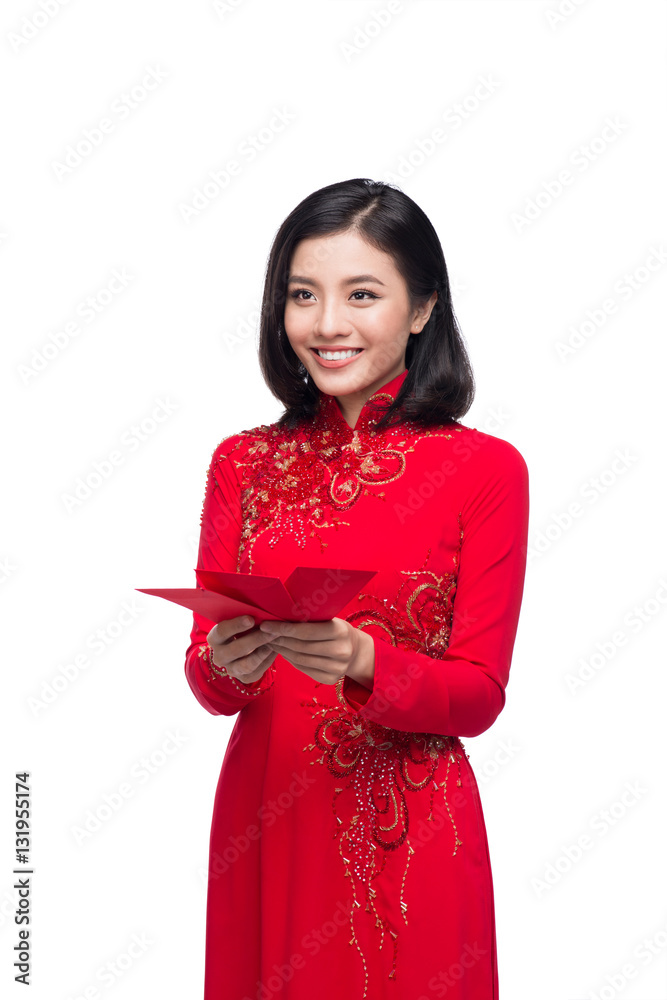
pixel 338 355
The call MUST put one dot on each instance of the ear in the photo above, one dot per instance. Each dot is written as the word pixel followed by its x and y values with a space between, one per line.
pixel 423 314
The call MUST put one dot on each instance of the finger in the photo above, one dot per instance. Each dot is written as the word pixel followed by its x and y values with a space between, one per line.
pixel 322 664
pixel 243 653
pixel 320 676
pixel 226 629
pixel 224 636
pixel 332 649
pixel 312 631
pixel 259 661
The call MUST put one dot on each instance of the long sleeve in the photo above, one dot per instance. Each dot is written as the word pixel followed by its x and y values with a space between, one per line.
pixel 463 692
pixel 221 526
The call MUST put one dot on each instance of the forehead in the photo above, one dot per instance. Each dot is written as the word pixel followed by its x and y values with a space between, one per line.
pixel 339 255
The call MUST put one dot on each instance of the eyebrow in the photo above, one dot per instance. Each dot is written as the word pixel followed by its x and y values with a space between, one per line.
pixel 346 281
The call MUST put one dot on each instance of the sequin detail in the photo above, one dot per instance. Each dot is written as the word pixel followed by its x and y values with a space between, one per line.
pixel 301 481
pixel 206 654
pixel 297 483
pixel 384 764
pixel 421 618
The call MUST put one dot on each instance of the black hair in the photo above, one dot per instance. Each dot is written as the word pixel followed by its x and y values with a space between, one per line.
pixel 439 386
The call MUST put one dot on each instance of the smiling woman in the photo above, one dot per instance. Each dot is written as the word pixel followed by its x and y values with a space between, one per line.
pixel 348 851
pixel 333 324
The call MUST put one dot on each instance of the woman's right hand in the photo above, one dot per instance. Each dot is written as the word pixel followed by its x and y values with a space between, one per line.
pixel 246 658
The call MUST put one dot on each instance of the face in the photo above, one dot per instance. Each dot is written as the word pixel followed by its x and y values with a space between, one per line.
pixel 345 295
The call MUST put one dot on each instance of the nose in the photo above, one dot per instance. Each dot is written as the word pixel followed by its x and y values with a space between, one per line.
pixel 330 321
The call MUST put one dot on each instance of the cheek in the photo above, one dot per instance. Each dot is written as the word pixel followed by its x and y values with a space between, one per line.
pixel 296 325
pixel 382 322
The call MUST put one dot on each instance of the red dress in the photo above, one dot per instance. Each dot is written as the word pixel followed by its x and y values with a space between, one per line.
pixel 348 851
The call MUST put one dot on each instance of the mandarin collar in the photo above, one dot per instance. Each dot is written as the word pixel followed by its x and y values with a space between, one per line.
pixel 330 413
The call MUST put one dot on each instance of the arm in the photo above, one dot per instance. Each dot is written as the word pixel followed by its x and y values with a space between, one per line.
pixel 218 550
pixel 463 692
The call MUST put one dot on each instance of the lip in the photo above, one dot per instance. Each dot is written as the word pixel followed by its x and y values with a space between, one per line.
pixel 335 364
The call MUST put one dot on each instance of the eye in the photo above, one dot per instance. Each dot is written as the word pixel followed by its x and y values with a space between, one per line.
pixel 305 291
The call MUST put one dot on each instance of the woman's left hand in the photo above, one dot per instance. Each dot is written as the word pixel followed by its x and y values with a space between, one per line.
pixel 326 651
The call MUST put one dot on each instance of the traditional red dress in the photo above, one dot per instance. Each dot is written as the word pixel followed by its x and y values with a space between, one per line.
pixel 348 851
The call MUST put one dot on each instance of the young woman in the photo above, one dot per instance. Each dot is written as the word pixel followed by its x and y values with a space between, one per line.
pixel 348 852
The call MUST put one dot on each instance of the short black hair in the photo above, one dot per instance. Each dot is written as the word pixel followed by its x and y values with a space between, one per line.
pixel 439 386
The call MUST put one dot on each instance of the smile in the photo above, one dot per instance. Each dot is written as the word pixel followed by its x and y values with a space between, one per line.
pixel 336 359
pixel 337 355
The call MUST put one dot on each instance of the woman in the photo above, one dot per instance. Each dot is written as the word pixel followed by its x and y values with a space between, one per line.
pixel 348 848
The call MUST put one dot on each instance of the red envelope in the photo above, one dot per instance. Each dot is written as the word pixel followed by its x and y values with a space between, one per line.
pixel 309 594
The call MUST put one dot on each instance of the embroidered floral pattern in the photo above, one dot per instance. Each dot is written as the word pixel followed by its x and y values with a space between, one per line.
pixel 309 477
pixel 299 482
pixel 384 764
pixel 422 619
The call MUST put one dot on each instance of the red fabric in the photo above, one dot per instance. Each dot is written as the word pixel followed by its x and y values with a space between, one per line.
pixel 348 851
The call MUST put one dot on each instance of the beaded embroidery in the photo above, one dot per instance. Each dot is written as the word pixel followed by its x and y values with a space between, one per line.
pixel 310 476
pixel 424 621
pixel 206 653
pixel 384 764
pixel 307 478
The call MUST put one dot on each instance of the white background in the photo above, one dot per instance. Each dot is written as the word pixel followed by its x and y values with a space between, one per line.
pixel 363 101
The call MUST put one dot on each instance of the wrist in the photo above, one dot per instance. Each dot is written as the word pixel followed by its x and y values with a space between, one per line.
pixel 362 667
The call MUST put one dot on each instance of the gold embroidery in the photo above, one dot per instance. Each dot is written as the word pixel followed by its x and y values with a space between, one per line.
pixel 423 621
pixel 299 482
pixel 384 764
pixel 292 480
pixel 206 653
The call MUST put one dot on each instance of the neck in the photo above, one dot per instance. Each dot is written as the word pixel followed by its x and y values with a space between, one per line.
pixel 353 403
pixel 357 410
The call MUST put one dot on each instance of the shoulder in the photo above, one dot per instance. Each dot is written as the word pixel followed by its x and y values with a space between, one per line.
pixel 486 458
pixel 237 447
